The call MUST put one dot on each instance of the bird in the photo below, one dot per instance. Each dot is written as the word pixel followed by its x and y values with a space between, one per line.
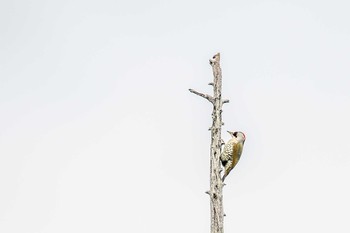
pixel 232 152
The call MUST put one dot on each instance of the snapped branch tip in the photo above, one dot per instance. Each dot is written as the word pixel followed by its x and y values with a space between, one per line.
pixel 215 59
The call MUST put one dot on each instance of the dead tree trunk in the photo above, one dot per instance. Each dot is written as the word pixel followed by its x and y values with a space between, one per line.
pixel 216 184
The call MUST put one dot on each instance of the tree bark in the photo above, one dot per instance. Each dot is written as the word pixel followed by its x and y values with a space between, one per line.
pixel 216 184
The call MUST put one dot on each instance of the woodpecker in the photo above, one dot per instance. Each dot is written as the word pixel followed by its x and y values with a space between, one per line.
pixel 232 152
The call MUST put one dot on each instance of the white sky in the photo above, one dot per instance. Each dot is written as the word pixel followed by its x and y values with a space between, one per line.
pixel 98 132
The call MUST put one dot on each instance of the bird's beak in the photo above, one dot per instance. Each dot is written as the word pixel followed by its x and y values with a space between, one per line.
pixel 229 132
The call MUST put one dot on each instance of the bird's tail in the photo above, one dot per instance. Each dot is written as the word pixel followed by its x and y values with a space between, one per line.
pixel 223 178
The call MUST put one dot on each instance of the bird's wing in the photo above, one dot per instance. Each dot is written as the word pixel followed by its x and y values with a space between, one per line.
pixel 237 150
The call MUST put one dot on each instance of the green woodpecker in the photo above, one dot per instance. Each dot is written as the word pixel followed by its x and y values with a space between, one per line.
pixel 232 152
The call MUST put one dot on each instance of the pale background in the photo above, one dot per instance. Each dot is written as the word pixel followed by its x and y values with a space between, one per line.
pixel 98 132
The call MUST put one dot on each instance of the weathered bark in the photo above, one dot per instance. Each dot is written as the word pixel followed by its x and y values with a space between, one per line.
pixel 216 184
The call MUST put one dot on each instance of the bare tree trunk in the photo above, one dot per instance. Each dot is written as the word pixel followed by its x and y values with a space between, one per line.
pixel 216 184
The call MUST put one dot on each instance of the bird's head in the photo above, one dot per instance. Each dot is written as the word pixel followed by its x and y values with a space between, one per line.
pixel 238 134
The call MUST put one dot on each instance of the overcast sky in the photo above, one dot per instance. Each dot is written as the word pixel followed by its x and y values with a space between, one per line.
pixel 98 132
